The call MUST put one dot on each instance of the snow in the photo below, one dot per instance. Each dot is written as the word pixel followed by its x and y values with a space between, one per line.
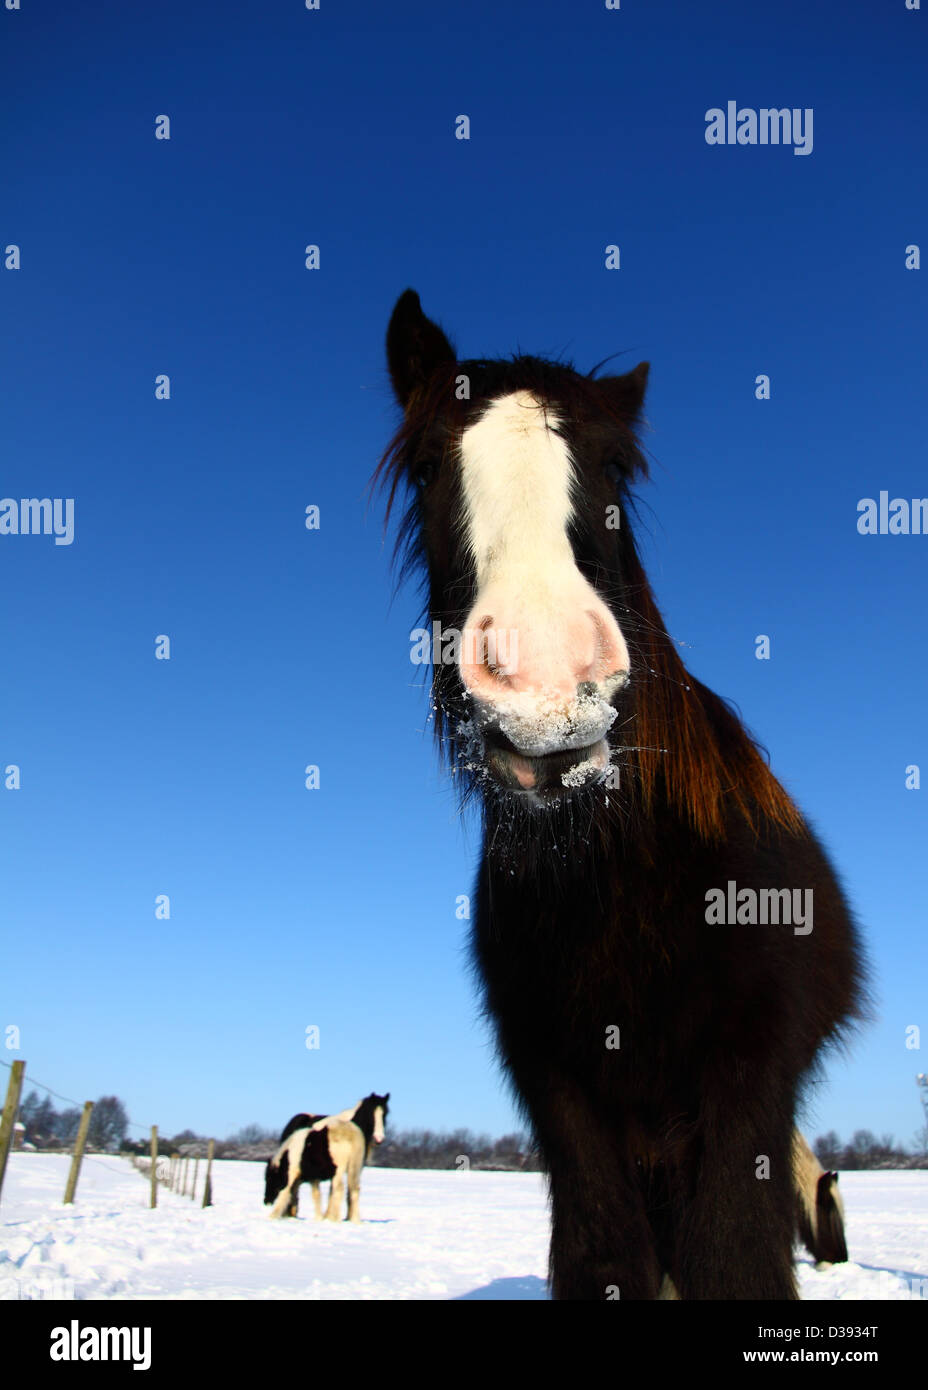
pixel 585 771
pixel 538 725
pixel 424 1235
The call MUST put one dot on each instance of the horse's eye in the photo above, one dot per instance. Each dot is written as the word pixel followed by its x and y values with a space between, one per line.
pixel 614 471
pixel 423 474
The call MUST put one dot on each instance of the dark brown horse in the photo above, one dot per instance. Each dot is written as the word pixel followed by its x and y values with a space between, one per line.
pixel 663 945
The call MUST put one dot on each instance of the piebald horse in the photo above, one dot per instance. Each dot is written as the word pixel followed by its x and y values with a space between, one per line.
pixel 820 1210
pixel 323 1148
pixel 663 945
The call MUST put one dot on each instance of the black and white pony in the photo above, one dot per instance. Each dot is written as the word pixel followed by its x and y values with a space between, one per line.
pixel 663 945
pixel 325 1148
pixel 820 1210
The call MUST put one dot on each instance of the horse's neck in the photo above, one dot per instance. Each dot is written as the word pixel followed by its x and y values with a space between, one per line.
pixel 364 1119
pixel 612 868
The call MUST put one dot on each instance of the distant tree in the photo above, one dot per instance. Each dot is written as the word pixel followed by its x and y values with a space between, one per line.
pixel 857 1154
pixel 45 1121
pixel 864 1141
pixel 186 1136
pixel 66 1126
pixel 511 1151
pixel 28 1106
pixel 424 1148
pixel 252 1134
pixel 828 1149
pixel 28 1110
pixel 866 1151
pixel 108 1123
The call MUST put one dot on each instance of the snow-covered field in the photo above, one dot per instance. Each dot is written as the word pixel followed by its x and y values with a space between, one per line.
pixel 424 1235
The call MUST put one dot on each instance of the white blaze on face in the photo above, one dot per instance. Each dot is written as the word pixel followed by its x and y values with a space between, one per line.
pixel 533 604
pixel 378 1124
pixel 517 477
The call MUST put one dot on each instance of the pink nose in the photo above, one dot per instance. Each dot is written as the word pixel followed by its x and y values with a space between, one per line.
pixel 511 651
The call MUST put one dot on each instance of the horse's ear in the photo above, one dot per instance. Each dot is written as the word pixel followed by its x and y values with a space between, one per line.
pixel 627 392
pixel 415 347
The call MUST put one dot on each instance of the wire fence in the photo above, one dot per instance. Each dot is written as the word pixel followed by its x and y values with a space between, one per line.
pixel 170 1171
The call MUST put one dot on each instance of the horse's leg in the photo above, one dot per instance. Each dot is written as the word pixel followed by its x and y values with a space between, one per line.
pixel 317 1201
pixel 602 1246
pixel 282 1206
pixel 336 1193
pixel 736 1229
pixel 355 1164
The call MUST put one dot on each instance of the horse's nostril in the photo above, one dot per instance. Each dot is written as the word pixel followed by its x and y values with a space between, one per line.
pixel 587 688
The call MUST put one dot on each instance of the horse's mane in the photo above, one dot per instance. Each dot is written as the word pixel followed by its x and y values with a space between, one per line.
pixel 691 748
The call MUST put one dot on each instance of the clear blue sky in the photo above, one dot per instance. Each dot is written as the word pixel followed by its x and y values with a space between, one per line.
pixel 336 907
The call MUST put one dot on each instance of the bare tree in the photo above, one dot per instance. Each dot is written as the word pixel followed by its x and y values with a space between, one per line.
pixel 108 1123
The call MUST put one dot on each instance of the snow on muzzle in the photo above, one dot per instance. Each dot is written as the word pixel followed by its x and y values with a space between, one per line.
pixel 542 689
pixel 538 725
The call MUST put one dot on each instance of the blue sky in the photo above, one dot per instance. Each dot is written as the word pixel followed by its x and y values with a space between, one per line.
pixel 336 907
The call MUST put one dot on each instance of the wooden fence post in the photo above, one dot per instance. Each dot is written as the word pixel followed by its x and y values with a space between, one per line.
pixel 183 1191
pixel 175 1183
pixel 196 1169
pixel 10 1111
pixel 153 1199
pixel 79 1143
pixel 208 1185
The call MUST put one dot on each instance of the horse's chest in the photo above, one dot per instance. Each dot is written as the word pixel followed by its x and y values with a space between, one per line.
pixel 575 982
pixel 611 996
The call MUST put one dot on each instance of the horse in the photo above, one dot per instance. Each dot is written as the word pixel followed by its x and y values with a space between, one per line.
pixel 320 1148
pixel 332 1148
pixel 820 1209
pixel 657 1023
